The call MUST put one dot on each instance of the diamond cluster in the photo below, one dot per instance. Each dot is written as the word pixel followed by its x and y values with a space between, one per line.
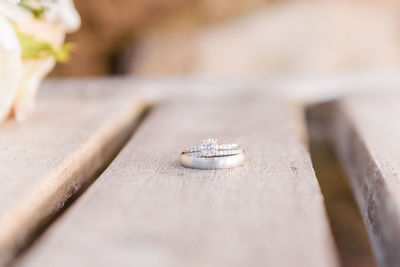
pixel 209 147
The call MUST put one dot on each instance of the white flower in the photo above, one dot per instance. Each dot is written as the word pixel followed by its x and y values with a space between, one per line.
pixel 35 70
pixel 14 13
pixel 21 78
pixel 10 67
pixel 13 2
pixel 64 13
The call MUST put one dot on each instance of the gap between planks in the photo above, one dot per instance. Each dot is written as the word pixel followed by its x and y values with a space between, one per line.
pixel 366 135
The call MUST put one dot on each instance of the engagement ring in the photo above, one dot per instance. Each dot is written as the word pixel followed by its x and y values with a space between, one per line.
pixel 210 155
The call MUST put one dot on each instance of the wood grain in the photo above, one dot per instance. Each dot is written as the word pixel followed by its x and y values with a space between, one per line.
pixel 76 129
pixel 366 133
pixel 146 210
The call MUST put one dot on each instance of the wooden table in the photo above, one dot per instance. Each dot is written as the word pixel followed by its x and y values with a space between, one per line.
pixel 114 143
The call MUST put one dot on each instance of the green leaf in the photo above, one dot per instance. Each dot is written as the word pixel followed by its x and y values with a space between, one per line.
pixel 36 11
pixel 32 48
pixel 36 7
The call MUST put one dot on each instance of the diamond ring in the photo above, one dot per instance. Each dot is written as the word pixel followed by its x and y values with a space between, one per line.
pixel 210 155
pixel 210 148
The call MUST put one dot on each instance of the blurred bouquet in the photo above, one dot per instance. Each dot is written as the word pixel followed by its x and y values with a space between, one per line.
pixel 32 34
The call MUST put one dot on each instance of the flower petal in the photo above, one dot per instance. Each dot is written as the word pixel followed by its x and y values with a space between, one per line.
pixel 10 67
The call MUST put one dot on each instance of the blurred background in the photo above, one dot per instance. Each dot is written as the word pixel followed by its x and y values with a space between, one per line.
pixel 234 37
pixel 237 38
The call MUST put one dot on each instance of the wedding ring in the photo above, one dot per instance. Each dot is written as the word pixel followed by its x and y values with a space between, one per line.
pixel 210 148
pixel 210 155
pixel 222 162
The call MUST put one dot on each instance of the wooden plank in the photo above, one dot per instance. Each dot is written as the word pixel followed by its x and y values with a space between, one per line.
pixel 75 130
pixel 366 134
pixel 146 210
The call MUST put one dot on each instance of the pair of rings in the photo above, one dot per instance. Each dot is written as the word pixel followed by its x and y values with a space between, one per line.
pixel 211 155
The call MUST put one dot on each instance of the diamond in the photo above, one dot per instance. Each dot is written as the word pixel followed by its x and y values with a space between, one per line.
pixel 209 147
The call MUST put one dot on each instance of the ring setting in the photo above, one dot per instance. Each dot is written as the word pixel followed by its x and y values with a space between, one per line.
pixel 210 148
pixel 211 155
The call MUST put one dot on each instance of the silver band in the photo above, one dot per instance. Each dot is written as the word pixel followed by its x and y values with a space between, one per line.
pixel 219 153
pixel 218 147
pixel 210 148
pixel 220 162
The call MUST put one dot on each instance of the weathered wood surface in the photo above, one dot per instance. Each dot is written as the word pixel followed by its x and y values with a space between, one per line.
pixel 146 210
pixel 76 129
pixel 366 131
